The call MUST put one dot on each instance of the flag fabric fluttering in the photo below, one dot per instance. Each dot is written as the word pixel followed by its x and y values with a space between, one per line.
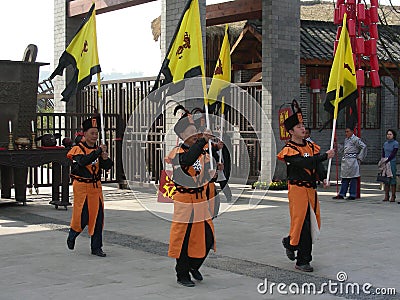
pixel 342 86
pixel 222 76
pixel 184 58
pixel 82 54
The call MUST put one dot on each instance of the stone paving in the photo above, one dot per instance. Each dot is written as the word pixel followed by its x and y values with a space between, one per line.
pixel 359 239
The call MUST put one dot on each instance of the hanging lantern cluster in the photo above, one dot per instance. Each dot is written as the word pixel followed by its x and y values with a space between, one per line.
pixel 363 31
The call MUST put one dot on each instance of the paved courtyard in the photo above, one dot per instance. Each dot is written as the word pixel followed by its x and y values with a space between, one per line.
pixel 358 247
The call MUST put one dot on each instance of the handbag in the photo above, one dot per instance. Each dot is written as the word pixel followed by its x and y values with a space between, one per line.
pixel 383 179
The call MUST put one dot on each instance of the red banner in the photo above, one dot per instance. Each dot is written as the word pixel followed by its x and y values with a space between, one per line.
pixel 166 188
pixel 283 115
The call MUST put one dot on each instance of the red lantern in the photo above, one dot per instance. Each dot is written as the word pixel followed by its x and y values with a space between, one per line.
pixel 351 2
pixel 339 2
pixel 351 26
pixel 373 31
pixel 339 30
pixel 360 45
pixel 375 80
pixel 373 14
pixel 315 85
pixel 342 11
pixel 373 60
pixel 360 77
pixel 374 3
pixel 361 12
pixel 367 19
pixel 372 45
pixel 336 17
pixel 335 44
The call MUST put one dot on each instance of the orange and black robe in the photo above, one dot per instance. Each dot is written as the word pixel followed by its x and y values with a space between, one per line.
pixel 193 199
pixel 86 175
pixel 304 169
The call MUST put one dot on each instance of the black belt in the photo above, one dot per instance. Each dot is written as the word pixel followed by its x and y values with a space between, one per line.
pixel 303 183
pixel 86 180
pixel 182 189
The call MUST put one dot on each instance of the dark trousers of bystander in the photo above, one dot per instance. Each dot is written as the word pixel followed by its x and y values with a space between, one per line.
pixel 226 190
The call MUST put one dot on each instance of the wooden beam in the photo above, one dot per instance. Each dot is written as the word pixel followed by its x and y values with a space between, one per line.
pixel 239 39
pixel 81 7
pixel 315 62
pixel 256 77
pixel 252 66
pixel 233 11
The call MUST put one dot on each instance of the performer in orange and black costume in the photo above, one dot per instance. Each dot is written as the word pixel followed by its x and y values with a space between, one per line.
pixel 304 168
pixel 88 160
pixel 192 230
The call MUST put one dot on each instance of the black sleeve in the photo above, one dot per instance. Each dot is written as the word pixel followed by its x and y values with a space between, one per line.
pixel 105 164
pixel 84 160
pixel 306 162
pixel 215 152
pixel 321 171
pixel 189 158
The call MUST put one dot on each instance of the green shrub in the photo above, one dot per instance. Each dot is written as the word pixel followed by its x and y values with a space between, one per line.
pixel 274 185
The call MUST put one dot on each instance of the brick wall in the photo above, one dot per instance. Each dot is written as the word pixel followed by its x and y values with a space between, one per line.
pixel 281 70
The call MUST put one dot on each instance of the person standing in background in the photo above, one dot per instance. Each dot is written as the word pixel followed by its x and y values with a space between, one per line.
pixel 354 152
pixel 389 151
pixel 308 135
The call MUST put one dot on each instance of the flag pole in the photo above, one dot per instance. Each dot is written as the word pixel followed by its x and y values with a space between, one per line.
pixel 100 102
pixel 220 137
pixel 339 83
pixel 330 160
pixel 208 127
pixel 221 175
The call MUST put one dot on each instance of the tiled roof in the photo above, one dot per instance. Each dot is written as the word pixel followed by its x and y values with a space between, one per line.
pixel 317 40
pixel 324 11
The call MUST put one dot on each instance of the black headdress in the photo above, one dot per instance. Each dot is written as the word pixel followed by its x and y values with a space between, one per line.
pixel 185 120
pixel 93 122
pixel 295 118
pixel 199 117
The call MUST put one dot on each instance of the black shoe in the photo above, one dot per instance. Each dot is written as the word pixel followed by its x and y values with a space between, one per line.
pixel 70 244
pixel 289 249
pixel 338 197
pixel 351 198
pixel 304 268
pixel 99 252
pixel 290 254
pixel 186 282
pixel 196 274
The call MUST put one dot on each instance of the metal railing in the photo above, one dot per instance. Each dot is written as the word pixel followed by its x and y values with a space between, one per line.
pixel 121 97
pixel 68 124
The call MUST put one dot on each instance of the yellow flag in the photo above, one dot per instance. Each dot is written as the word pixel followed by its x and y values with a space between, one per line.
pixel 342 85
pixel 222 73
pixel 82 54
pixel 184 57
